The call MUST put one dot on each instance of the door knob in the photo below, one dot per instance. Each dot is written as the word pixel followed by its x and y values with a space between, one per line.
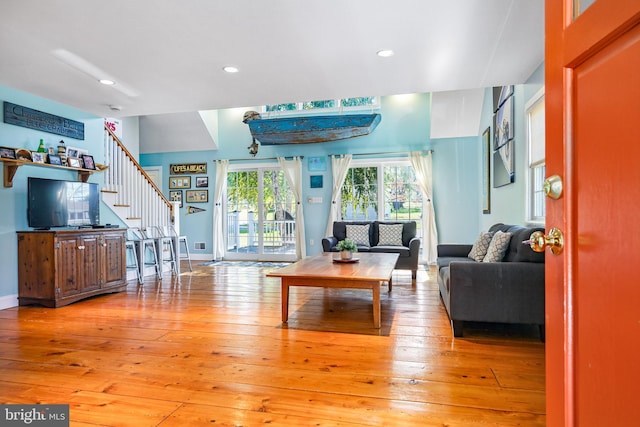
pixel 554 240
pixel 552 187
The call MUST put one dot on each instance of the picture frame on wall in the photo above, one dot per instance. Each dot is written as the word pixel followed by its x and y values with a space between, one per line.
pixel 503 124
pixel 176 196
pixel 202 181
pixel 486 171
pixel 197 196
pixel 315 181
pixel 179 182
pixel 317 164
pixel 504 165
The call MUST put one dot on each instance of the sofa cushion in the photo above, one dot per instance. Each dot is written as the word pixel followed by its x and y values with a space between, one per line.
pixel 446 260
pixel 390 234
pixel 498 247
pixel 403 251
pixel 340 229
pixel 358 233
pixel 480 247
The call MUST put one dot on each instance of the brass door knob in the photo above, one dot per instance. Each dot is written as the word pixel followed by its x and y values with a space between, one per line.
pixel 552 187
pixel 554 240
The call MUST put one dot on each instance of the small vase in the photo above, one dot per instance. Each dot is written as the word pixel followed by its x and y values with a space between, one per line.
pixel 346 255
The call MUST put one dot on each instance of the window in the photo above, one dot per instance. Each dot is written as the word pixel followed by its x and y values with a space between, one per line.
pixel 534 111
pixel 381 191
pixel 324 105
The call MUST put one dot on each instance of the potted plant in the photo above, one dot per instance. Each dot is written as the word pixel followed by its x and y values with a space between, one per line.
pixel 346 247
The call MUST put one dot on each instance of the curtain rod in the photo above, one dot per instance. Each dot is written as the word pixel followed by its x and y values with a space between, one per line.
pixel 406 153
pixel 259 158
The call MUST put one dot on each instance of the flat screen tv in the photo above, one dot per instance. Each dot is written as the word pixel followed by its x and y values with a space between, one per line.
pixel 57 203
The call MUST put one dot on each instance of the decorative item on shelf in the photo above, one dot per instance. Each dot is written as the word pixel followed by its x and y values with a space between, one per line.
pixel 23 154
pixel 74 162
pixel 38 157
pixel 346 248
pixel 62 152
pixel 55 160
pixel 7 153
pixel 88 162
pixel 41 148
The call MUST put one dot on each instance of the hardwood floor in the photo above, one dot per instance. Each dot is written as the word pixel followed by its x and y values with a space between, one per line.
pixel 210 349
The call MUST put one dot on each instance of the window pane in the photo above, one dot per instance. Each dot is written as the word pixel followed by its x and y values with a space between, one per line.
pixel 360 194
pixel 328 103
pixel 358 102
pixel 539 207
pixel 292 106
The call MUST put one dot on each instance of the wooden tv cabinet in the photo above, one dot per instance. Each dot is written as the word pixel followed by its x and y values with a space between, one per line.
pixel 58 267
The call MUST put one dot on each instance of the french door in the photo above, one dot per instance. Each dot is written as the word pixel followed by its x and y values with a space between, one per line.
pixel 259 215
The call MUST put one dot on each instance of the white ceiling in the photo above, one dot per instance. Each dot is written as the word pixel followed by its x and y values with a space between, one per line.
pixel 166 56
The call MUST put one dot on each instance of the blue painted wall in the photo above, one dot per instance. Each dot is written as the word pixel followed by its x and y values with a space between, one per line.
pixel 13 215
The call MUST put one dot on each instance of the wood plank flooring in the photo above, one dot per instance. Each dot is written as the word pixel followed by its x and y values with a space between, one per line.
pixel 209 349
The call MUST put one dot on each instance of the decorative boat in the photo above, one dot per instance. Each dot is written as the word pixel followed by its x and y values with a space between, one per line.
pixel 310 129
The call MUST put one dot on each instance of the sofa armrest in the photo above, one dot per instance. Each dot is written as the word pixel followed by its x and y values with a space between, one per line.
pixel 511 292
pixel 414 246
pixel 453 250
pixel 328 243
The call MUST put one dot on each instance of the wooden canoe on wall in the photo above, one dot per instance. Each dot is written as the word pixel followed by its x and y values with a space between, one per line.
pixel 310 129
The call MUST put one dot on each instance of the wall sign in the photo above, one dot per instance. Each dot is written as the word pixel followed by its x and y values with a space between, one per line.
pixel 188 168
pixel 33 119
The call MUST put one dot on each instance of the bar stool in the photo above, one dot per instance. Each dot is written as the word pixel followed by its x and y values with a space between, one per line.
pixel 144 245
pixel 131 253
pixel 164 247
pixel 182 240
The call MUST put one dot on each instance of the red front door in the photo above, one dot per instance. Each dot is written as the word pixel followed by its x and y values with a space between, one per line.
pixel 593 143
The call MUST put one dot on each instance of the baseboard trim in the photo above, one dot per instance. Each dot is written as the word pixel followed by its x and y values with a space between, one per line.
pixel 8 301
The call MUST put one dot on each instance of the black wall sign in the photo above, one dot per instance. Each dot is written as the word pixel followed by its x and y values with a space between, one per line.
pixel 34 119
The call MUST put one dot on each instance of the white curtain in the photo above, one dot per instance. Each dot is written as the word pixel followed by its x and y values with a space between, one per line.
pixel 422 166
pixel 339 169
pixel 222 166
pixel 293 173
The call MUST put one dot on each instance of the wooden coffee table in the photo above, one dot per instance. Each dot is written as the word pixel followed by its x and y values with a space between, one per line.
pixel 321 271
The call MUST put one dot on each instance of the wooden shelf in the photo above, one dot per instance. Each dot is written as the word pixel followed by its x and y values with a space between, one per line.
pixel 11 167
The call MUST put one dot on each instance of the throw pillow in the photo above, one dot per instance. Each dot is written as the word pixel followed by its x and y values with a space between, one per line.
pixel 480 247
pixel 390 234
pixel 358 233
pixel 497 247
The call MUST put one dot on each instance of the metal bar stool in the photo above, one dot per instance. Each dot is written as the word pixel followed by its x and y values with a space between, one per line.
pixel 182 240
pixel 144 245
pixel 131 254
pixel 164 247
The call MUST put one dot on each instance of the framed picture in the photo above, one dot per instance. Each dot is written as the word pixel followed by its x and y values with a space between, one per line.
pixel 176 196
pixel 51 150
pixel 503 124
pixel 317 164
pixel 88 162
pixel 73 152
pixel 74 162
pixel 54 159
pixel 315 181
pixel 202 181
pixel 37 157
pixel 179 182
pixel 486 168
pixel 504 165
pixel 197 196
pixel 7 153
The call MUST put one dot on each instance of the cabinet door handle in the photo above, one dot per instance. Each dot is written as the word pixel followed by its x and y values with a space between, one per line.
pixel 104 245
pixel 81 247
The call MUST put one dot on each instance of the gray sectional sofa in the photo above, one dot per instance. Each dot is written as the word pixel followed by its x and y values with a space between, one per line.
pixel 508 291
pixel 408 249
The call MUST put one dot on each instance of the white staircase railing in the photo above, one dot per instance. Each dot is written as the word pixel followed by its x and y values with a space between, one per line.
pixel 134 196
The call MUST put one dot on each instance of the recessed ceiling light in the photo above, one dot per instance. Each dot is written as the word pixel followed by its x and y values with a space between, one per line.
pixel 107 82
pixel 230 69
pixel 385 53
